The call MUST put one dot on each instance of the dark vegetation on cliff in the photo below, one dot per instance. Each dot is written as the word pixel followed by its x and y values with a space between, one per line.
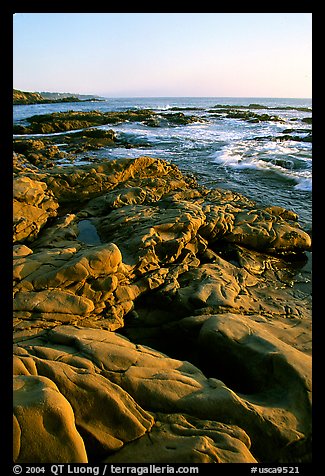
pixel 25 97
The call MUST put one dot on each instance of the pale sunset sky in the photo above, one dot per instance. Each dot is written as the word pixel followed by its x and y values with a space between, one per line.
pixel 164 54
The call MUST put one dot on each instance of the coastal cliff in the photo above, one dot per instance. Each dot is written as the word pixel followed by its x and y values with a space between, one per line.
pixel 156 320
pixel 25 97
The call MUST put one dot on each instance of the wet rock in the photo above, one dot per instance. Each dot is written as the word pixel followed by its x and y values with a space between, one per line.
pixel 71 120
pixel 38 152
pixel 231 112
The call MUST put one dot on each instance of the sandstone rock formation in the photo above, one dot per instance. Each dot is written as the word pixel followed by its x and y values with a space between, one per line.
pixel 33 205
pixel 180 311
pixel 41 410
pixel 180 438
pixel 83 368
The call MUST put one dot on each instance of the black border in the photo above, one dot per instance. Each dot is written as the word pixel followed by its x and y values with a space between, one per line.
pixel 6 27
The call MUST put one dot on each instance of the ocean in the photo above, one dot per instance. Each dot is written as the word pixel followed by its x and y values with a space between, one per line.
pixel 269 161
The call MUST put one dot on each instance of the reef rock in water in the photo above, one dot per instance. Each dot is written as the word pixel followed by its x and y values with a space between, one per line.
pixel 155 320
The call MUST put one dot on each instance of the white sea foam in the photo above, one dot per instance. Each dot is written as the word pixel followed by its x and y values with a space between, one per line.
pixel 165 107
pixel 248 156
pixel 286 162
pixel 304 184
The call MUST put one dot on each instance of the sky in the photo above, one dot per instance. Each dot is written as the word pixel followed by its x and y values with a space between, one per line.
pixel 164 54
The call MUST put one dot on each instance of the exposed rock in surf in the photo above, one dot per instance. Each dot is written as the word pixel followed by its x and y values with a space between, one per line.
pixel 66 121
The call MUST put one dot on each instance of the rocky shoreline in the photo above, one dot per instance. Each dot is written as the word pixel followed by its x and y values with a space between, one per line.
pixel 155 320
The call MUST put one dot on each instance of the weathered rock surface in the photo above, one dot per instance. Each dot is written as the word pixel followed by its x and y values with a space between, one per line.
pixel 185 439
pixel 213 283
pixel 96 369
pixel 33 205
pixel 262 360
pixel 38 151
pixel 65 148
pixel 42 414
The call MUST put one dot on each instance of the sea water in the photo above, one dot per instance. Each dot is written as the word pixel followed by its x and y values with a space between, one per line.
pixel 258 159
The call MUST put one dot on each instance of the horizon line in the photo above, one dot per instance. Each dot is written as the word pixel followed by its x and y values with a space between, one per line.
pixel 162 97
pixel 239 97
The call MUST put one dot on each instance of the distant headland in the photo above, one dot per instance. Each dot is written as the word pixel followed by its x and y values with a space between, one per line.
pixel 25 97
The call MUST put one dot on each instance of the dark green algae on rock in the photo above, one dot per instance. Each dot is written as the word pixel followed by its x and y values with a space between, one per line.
pixel 49 150
pixel 248 116
pixel 66 121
